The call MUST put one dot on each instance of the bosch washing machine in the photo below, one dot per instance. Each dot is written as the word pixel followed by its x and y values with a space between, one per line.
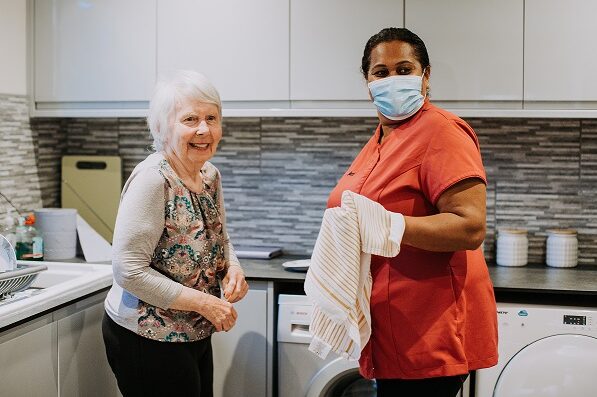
pixel 303 374
pixel 545 351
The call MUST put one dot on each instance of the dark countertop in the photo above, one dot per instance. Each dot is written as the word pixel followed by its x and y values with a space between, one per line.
pixel 580 280
pixel 271 269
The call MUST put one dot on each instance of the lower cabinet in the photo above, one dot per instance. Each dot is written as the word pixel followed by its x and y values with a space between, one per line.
pixel 28 365
pixel 83 368
pixel 60 354
pixel 243 356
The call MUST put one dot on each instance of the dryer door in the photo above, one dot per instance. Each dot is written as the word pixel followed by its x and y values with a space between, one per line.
pixel 559 365
pixel 341 378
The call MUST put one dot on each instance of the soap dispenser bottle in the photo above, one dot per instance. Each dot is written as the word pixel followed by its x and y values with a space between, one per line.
pixel 24 245
pixel 37 243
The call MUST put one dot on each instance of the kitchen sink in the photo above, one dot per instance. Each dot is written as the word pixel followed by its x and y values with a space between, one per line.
pixel 58 273
pixel 61 283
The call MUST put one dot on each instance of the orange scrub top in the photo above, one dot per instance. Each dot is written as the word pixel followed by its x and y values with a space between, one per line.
pixel 433 313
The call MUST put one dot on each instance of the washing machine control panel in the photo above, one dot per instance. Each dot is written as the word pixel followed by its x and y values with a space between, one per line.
pixel 519 320
pixel 578 322
pixel 575 320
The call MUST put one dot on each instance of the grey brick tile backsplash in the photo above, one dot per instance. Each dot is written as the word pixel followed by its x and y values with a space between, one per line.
pixel 278 172
pixel 19 176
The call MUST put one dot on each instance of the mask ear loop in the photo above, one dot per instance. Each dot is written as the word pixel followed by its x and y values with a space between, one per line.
pixel 428 89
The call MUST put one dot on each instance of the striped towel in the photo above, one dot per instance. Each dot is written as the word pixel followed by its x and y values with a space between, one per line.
pixel 338 281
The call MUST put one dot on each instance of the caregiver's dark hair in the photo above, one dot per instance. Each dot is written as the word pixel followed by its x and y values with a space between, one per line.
pixel 395 34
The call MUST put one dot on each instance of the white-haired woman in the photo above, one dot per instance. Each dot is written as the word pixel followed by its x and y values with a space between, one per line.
pixel 171 251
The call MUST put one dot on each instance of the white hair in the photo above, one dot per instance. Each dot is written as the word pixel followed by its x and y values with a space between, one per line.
pixel 183 85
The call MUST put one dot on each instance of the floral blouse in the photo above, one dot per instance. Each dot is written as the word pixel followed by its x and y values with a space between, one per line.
pixel 191 252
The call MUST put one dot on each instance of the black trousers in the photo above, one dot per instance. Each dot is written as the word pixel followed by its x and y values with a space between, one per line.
pixel 144 367
pixel 446 386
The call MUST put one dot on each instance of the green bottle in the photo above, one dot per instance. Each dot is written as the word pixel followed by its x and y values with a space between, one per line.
pixel 30 244
pixel 37 242
pixel 24 244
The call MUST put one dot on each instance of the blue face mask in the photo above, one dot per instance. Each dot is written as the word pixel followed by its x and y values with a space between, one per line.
pixel 397 97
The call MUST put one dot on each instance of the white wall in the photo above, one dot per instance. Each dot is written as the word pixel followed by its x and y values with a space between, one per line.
pixel 13 47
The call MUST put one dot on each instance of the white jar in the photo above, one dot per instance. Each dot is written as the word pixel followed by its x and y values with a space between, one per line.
pixel 512 247
pixel 562 248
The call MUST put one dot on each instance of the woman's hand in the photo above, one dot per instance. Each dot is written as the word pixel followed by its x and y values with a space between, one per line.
pixel 235 286
pixel 219 312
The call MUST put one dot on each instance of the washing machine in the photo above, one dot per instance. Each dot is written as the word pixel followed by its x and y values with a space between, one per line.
pixel 545 351
pixel 303 374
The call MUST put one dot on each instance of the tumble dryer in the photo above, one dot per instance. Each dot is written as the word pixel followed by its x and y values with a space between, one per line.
pixel 545 351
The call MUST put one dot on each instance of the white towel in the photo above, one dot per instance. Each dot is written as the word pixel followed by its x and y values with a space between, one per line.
pixel 338 281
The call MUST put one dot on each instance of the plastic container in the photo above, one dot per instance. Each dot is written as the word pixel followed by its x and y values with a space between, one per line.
pixel 562 248
pixel 58 227
pixel 512 247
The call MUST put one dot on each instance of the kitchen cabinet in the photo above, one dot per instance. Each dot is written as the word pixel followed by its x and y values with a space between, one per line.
pixel 327 39
pixel 240 46
pixel 93 51
pixel 509 58
pixel 83 368
pixel 13 42
pixel 243 356
pixel 28 359
pixel 559 52
pixel 475 50
pixel 58 354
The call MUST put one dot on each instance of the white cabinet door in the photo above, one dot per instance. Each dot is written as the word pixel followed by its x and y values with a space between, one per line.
pixel 28 360
pixel 83 368
pixel 560 58
pixel 94 50
pixel 243 355
pixel 475 47
pixel 327 38
pixel 13 44
pixel 240 46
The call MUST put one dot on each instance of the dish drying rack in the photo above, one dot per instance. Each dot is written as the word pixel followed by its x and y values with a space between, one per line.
pixel 19 279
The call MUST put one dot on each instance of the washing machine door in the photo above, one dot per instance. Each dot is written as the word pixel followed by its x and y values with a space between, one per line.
pixel 555 366
pixel 341 378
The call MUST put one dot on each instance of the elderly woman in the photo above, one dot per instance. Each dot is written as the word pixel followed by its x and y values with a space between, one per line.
pixel 433 310
pixel 171 251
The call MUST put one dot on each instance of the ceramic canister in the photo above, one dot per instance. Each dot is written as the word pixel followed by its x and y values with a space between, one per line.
pixel 512 247
pixel 562 248
pixel 58 227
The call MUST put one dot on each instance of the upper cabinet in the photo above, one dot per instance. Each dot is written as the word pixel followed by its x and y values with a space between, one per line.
pixel 327 39
pixel 240 46
pixel 510 58
pixel 475 49
pixel 13 42
pixel 94 50
pixel 560 58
